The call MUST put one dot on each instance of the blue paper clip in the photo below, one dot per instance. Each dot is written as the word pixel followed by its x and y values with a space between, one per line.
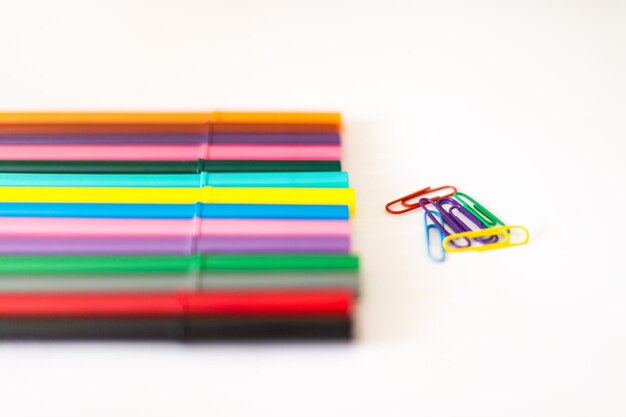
pixel 429 227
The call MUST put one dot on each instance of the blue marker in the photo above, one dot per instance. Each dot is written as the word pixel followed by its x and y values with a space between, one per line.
pixel 176 211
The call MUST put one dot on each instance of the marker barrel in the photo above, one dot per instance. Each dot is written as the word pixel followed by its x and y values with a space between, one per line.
pixel 173 264
pixel 173 329
pixel 176 211
pixel 170 152
pixel 296 280
pixel 252 138
pixel 165 167
pixel 271 179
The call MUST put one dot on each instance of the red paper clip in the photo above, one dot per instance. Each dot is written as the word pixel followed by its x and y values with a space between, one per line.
pixel 404 201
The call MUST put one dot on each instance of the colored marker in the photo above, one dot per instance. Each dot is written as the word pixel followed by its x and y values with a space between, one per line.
pixel 178 304
pixel 84 227
pixel 170 152
pixel 334 196
pixel 165 167
pixel 215 138
pixel 306 280
pixel 178 329
pixel 271 179
pixel 66 245
pixel 215 122
pixel 176 211
pixel 173 264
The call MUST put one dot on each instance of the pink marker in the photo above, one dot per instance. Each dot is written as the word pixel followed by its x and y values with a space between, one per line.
pixel 157 152
pixel 59 226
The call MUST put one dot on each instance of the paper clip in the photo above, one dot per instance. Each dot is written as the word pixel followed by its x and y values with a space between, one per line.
pixel 447 219
pixel 405 201
pixel 478 210
pixel 449 246
pixel 456 205
pixel 429 227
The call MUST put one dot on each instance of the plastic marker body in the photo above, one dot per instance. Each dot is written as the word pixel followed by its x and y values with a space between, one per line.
pixel 177 329
pixel 154 273
pixel 63 245
pixel 82 227
pixel 165 167
pixel 259 281
pixel 273 179
pixel 271 303
pixel 176 211
pixel 170 152
pixel 253 138
pixel 222 122
pixel 173 264
pixel 334 196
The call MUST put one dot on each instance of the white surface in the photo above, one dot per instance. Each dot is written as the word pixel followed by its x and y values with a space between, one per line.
pixel 520 104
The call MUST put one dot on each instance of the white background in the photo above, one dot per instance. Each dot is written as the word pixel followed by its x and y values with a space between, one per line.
pixel 520 104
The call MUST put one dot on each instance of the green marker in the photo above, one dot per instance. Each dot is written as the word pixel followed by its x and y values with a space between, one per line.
pixel 166 167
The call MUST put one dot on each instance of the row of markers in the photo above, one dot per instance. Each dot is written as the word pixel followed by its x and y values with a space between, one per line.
pixel 459 222
pixel 182 226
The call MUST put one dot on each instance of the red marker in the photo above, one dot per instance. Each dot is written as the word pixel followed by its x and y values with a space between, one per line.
pixel 177 304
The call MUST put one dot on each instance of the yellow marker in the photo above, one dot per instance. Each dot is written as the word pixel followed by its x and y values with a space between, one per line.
pixel 500 230
pixel 334 196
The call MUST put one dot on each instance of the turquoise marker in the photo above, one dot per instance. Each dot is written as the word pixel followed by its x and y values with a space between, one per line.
pixel 230 179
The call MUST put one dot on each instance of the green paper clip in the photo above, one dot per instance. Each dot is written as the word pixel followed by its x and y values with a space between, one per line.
pixel 478 210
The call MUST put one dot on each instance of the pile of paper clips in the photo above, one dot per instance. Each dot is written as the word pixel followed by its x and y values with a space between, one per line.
pixel 462 222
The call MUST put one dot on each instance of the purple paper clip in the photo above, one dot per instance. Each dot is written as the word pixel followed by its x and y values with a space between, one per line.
pixel 447 219
pixel 458 206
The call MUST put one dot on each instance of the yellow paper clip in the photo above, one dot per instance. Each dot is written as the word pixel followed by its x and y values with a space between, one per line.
pixel 500 230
